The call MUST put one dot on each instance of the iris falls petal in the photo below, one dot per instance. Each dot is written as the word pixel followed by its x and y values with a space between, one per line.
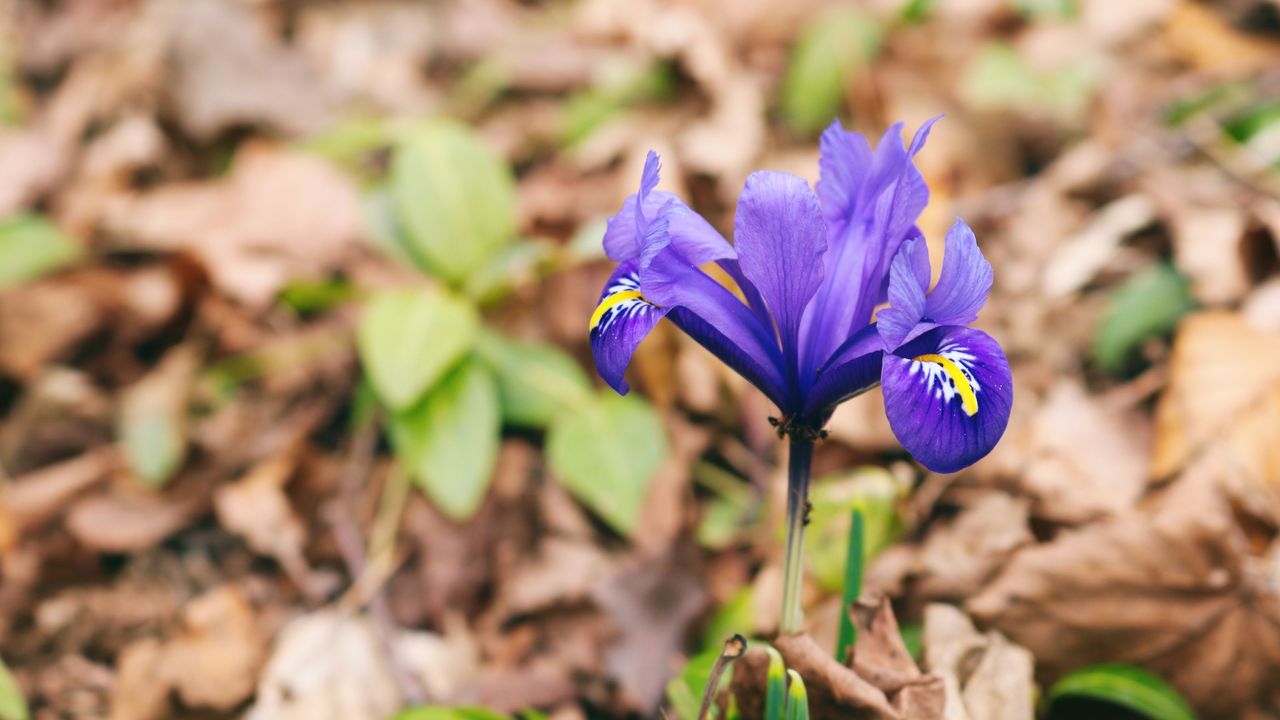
pixel 622 318
pixel 947 395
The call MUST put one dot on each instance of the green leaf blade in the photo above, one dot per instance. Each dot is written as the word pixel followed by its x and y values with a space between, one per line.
pixel 606 452
pixel 31 246
pixel 12 705
pixel 1147 304
pixel 408 338
pixel 775 697
pixel 450 439
pixel 454 198
pixel 1124 685
pixel 829 51
pixel 535 382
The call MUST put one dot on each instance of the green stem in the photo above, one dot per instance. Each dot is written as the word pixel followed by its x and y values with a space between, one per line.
pixel 797 502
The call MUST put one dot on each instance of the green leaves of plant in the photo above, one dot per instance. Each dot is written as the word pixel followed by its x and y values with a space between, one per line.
pixel 453 198
pixel 535 381
pixel 12 705
pixel 447 713
pixel 1148 303
pixel 30 246
pixel 834 46
pixel 407 339
pixel 1124 685
pixel 606 452
pixel 449 440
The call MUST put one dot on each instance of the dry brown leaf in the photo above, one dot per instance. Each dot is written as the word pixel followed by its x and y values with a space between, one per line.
pixel 879 654
pixel 330 665
pixel 1200 36
pixel 278 216
pixel 834 690
pixel 213 662
pixel 986 676
pixel 651 601
pixel 1077 259
pixel 256 508
pixel 30 164
pixel 1178 590
pixel 127 520
pixel 1216 382
pixel 1071 486
pixel 36 497
pixel 228 70
pixel 42 321
pixel 1208 248
pixel 957 560
pixel 137 694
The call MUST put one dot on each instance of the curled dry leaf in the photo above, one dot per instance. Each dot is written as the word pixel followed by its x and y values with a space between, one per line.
pixel 136 695
pixel 986 677
pixel 1078 259
pixel 879 654
pixel 38 496
pixel 1179 590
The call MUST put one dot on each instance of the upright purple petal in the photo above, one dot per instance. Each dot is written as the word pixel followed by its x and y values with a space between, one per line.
pixel 780 237
pixel 624 235
pixel 964 283
pixel 622 318
pixel 947 395
pixel 908 281
pixel 871 202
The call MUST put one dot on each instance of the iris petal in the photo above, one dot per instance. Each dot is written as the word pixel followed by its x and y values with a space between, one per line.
pixel 730 328
pixel 947 395
pixel 622 318
pixel 871 202
pixel 626 233
pixel 780 237
pixel 965 281
pixel 854 369
pixel 908 280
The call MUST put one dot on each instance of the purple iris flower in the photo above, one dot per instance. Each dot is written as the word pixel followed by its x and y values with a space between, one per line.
pixel 811 269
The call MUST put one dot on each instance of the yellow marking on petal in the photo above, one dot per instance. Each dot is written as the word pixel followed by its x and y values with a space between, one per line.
pixel 609 302
pixel 968 398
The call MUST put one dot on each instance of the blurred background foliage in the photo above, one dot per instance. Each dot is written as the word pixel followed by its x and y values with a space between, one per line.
pixel 297 414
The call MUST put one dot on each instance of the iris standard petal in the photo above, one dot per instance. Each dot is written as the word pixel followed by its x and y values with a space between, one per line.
pixel 625 234
pixel 964 282
pixel 908 281
pixel 622 318
pixel 871 202
pixel 780 237
pixel 947 395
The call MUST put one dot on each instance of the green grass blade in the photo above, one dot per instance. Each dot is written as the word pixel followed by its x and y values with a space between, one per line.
pixel 797 698
pixel 1126 686
pixel 775 687
pixel 852 586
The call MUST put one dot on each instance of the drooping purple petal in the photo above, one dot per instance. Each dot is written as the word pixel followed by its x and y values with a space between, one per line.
pixel 964 282
pixel 908 281
pixel 780 237
pixel 622 318
pixel 947 395
pixel 725 326
pixel 871 202
pixel 854 369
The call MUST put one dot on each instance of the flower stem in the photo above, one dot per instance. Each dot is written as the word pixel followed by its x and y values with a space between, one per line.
pixel 797 509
